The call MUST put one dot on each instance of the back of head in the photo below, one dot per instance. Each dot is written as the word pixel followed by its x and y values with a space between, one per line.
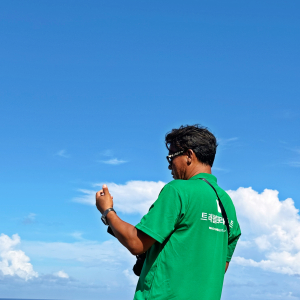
pixel 194 137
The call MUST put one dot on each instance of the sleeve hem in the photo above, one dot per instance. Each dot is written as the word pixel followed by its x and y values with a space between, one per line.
pixel 150 233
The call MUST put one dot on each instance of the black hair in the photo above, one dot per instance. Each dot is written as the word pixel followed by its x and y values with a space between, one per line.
pixel 194 137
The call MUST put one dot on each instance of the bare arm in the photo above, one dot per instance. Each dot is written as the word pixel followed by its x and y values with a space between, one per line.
pixel 136 241
pixel 227 265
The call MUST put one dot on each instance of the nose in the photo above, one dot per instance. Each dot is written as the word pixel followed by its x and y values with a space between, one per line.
pixel 170 167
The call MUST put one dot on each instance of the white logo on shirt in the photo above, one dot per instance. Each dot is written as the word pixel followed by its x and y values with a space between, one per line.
pixel 219 208
pixel 215 219
pixel 212 218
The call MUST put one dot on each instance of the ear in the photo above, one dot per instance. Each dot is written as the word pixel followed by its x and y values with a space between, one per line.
pixel 190 156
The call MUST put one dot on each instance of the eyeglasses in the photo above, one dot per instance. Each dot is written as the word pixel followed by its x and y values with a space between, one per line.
pixel 172 156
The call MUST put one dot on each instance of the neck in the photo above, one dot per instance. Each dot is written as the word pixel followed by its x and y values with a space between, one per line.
pixel 198 168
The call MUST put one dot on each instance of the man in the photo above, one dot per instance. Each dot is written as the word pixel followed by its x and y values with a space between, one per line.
pixel 185 232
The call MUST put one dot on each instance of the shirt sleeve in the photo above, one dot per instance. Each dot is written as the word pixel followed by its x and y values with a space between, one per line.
pixel 234 237
pixel 163 215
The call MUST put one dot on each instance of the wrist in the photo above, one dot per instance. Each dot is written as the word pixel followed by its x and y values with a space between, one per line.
pixel 110 215
pixel 104 215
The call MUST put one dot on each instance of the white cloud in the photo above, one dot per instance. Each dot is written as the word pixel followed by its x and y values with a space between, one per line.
pixel 90 253
pixel 287 114
pixel 91 266
pixel 77 235
pixel 132 197
pixel 220 169
pixel 295 164
pixel 107 152
pixel 14 262
pixel 113 161
pixel 62 153
pixel 271 227
pixel 132 278
pixel 87 198
pixel 227 141
pixel 296 149
pixel 29 219
pixel 61 274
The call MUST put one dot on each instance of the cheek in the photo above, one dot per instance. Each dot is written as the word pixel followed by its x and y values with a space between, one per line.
pixel 176 169
pixel 179 169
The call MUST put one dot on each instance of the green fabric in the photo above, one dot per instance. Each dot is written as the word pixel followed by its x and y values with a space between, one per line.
pixel 188 260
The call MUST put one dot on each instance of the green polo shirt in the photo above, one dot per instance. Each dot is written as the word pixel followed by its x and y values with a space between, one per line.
pixel 188 260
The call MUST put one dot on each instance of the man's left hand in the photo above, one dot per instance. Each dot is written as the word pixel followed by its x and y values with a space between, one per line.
pixel 104 200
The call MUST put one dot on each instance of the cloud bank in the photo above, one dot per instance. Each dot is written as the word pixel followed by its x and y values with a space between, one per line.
pixel 99 267
pixel 270 227
pixel 89 253
pixel 272 230
pixel 270 241
pixel 14 262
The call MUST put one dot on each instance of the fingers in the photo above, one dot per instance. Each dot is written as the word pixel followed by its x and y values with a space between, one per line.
pixel 105 189
pixel 103 192
pixel 104 200
pixel 99 193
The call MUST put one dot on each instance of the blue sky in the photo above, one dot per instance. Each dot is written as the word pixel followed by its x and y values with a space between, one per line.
pixel 88 91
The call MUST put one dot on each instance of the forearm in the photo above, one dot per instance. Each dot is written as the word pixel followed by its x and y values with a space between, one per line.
pixel 136 241
pixel 125 233
pixel 226 266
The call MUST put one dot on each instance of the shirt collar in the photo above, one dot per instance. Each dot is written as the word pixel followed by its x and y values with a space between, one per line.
pixel 207 176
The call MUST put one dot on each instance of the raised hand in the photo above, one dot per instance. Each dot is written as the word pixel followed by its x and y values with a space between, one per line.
pixel 104 200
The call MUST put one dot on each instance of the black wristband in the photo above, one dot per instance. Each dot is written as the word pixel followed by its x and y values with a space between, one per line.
pixel 103 218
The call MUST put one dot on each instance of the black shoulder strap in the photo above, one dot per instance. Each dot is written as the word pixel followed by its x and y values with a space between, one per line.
pixel 221 206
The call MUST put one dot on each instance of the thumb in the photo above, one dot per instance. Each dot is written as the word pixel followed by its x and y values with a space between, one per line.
pixel 105 189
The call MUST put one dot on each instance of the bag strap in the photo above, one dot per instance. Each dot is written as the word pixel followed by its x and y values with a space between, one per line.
pixel 221 206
